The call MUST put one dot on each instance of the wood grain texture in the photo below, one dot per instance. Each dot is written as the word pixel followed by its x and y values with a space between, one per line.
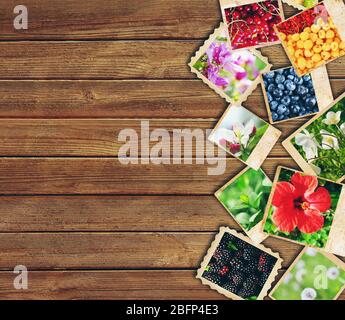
pixel 114 60
pixel 112 213
pixel 123 285
pixel 108 19
pixel 184 99
pixel 116 250
pixel 109 176
pixel 100 138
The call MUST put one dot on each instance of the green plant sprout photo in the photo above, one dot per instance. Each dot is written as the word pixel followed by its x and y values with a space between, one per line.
pixel 245 197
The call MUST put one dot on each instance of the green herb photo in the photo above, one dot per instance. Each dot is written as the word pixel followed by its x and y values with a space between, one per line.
pixel 245 197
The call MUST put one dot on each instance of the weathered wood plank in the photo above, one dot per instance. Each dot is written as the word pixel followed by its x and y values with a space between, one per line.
pixel 109 176
pixel 101 137
pixel 46 251
pixel 117 285
pixel 112 213
pixel 108 19
pixel 114 60
pixel 121 99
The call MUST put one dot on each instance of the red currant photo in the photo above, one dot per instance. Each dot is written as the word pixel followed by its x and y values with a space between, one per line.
pixel 252 25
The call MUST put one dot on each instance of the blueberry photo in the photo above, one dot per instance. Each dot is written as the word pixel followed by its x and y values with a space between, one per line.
pixel 239 267
pixel 288 95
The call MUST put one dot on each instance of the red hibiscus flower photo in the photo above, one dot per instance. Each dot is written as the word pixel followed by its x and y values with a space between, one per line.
pixel 302 207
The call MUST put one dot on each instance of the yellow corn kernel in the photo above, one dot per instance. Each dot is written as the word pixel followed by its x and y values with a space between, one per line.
pixel 320 22
pixel 304 36
pixel 336 39
pixel 291 43
pixel 302 63
pixel 300 44
pixel 295 37
pixel 289 37
pixel 335 54
pixel 291 50
pixel 316 57
pixel 308 44
pixel 331 23
pixel 310 64
pixel 282 36
pixel 319 41
pixel 313 37
pixel 341 45
pixel 326 47
pixel 298 53
pixel 322 34
pixel 325 55
pixel 315 28
pixel 330 34
pixel 342 52
pixel 334 46
pixel 308 53
pixel 329 41
pixel 317 49
pixel 326 27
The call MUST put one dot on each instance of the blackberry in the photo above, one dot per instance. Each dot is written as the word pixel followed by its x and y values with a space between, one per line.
pixel 214 268
pixel 230 287
pixel 250 287
pixel 224 271
pixel 266 263
pixel 237 264
pixel 247 254
pixel 236 278
pixel 216 279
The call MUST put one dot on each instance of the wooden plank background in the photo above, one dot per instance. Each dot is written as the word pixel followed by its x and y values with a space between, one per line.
pixel 86 226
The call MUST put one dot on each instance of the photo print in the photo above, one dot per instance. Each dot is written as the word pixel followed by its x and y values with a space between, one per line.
pixel 318 147
pixel 250 23
pixel 315 36
pixel 314 275
pixel 245 198
pixel 245 136
pixel 307 210
pixel 288 96
pixel 237 268
pixel 233 75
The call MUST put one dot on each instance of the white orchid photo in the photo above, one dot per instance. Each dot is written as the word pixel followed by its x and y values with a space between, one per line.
pixel 239 132
pixel 322 143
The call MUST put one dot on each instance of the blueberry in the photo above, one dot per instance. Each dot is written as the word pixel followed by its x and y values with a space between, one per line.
pixel 307 78
pixel 275 117
pixel 286 100
pixel 281 86
pixel 274 105
pixel 287 112
pixel 298 81
pixel 302 91
pixel 315 110
pixel 295 98
pixel 296 109
pixel 290 85
pixel 271 88
pixel 281 109
pixel 280 78
pixel 310 102
pixel 265 83
pixel 280 71
pixel 270 75
pixel 290 76
pixel 278 93
pixel 269 97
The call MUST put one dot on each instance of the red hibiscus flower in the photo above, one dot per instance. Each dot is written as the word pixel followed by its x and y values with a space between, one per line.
pixel 300 204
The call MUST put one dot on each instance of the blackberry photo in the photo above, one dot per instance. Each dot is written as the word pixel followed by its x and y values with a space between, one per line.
pixel 239 267
pixel 289 96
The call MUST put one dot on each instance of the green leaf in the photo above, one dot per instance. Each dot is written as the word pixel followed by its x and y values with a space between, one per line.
pixel 244 198
pixel 231 246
